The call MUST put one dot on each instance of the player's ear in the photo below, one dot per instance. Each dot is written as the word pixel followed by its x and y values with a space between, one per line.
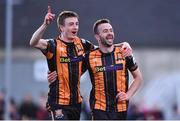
pixel 61 27
pixel 97 37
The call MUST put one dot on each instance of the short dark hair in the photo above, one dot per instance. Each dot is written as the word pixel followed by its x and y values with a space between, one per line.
pixel 97 23
pixel 65 14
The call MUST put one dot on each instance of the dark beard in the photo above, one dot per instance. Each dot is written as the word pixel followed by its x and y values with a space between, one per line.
pixel 103 41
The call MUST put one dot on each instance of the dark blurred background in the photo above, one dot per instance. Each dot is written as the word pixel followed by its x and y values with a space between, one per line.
pixel 143 23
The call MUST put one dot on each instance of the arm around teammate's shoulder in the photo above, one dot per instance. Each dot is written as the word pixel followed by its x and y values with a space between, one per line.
pixel 88 46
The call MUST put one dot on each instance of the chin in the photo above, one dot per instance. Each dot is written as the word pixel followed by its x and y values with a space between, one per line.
pixel 110 43
pixel 71 38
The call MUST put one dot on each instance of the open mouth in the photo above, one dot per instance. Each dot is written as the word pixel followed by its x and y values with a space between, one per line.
pixel 109 37
pixel 74 32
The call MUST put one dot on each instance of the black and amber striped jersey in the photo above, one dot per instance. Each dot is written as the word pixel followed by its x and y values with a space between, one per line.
pixel 66 59
pixel 109 75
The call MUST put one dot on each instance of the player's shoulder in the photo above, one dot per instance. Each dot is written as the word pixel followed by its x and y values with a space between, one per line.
pixel 92 51
pixel 51 43
pixel 95 50
pixel 84 41
pixel 50 40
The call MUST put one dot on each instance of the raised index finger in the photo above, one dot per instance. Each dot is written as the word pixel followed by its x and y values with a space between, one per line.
pixel 49 9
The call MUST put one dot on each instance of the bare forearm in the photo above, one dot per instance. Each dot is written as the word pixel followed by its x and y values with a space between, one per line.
pixel 133 88
pixel 37 35
pixel 135 85
pixel 36 40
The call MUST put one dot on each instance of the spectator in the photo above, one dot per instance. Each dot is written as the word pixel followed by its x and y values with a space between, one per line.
pixel 42 113
pixel 28 109
pixel 2 106
pixel 134 113
pixel 14 115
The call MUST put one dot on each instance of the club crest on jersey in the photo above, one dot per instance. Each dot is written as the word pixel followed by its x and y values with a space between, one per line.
pixel 119 56
pixel 79 48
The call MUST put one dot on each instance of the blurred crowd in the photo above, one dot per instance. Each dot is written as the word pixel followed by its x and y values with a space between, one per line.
pixel 141 112
pixel 28 109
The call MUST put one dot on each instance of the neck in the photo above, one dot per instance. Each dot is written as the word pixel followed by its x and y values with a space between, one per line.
pixel 65 39
pixel 105 49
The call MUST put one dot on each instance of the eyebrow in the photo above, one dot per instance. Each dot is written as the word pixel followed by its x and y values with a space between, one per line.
pixel 73 22
pixel 105 30
pixel 108 29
